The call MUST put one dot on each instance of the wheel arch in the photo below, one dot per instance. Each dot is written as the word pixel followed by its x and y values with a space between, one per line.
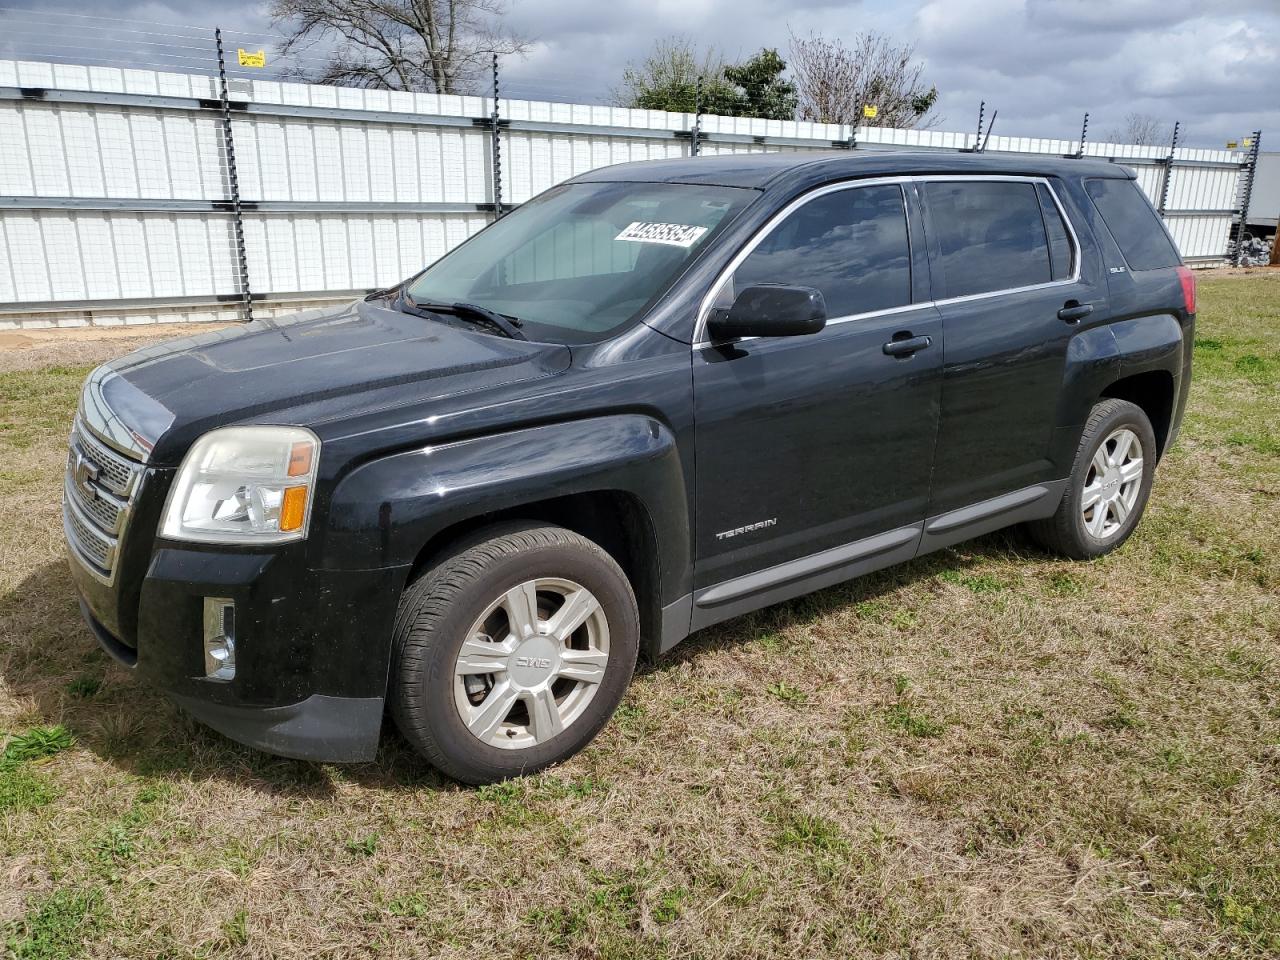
pixel 617 480
pixel 616 520
pixel 1154 392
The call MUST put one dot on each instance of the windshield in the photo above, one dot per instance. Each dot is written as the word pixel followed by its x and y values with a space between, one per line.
pixel 582 260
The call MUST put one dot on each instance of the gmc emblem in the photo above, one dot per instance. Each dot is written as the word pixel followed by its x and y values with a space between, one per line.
pixel 85 474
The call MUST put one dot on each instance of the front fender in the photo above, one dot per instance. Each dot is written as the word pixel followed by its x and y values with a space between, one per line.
pixel 383 512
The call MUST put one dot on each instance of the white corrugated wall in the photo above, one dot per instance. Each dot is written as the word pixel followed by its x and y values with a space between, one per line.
pixel 107 184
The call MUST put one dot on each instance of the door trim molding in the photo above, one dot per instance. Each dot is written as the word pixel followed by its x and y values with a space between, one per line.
pixel 795 578
pixel 1027 503
pixel 803 567
pixel 954 519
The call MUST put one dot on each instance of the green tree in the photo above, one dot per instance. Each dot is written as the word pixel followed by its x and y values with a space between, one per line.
pixel 668 79
pixel 761 90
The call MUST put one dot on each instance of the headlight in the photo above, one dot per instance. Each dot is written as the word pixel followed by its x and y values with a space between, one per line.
pixel 244 485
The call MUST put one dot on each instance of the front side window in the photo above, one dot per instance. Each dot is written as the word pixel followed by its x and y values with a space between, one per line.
pixel 850 244
pixel 583 260
pixel 990 235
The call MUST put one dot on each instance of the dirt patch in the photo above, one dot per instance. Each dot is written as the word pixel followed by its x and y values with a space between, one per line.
pixel 81 346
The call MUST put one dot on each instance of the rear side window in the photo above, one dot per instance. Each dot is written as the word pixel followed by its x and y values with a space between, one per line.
pixel 1059 243
pixel 1133 223
pixel 991 235
pixel 851 245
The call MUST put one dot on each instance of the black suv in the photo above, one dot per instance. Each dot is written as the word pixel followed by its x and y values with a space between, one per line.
pixel 655 397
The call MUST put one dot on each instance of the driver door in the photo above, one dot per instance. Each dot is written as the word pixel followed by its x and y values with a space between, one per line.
pixel 814 453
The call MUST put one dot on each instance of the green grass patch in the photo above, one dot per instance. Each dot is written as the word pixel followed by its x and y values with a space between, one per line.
pixel 903 718
pixel 810 832
pixel 22 790
pixel 787 693
pixel 37 743
pixel 976 583
pixel 60 927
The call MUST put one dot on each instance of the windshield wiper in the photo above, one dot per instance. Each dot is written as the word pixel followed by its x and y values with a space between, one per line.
pixel 384 293
pixel 508 326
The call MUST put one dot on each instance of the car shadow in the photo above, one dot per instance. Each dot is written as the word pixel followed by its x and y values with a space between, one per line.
pixel 54 667
pixel 1001 545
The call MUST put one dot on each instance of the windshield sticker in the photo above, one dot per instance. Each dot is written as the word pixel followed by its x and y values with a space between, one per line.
pixel 672 234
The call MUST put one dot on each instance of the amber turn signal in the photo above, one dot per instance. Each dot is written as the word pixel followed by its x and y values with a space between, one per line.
pixel 293 511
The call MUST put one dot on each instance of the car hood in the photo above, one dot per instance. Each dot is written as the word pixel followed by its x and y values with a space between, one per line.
pixel 155 401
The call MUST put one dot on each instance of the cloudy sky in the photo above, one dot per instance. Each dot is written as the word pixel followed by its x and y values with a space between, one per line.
pixel 1213 64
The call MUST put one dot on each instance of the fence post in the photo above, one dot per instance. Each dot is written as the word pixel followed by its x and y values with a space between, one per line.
pixel 495 123
pixel 1084 135
pixel 1252 166
pixel 242 256
pixel 697 117
pixel 1168 170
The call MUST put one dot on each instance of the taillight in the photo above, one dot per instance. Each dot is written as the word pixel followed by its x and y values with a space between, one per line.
pixel 1188 288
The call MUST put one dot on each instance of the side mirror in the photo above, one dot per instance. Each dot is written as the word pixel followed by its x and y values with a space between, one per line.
pixel 770 310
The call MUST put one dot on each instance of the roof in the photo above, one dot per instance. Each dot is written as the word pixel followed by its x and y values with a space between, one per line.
pixel 760 170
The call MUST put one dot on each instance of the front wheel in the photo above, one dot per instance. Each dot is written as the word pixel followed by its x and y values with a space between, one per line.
pixel 513 652
pixel 1109 485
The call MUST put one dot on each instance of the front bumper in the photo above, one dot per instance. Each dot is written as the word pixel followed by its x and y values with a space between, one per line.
pixel 312 652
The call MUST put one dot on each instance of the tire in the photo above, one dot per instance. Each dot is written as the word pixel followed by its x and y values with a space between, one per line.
pixel 499 594
pixel 1080 532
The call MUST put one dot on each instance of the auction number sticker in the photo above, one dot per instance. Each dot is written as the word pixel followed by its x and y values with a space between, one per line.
pixel 672 234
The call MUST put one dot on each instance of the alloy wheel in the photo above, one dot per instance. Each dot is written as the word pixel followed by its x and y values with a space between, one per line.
pixel 1112 485
pixel 531 663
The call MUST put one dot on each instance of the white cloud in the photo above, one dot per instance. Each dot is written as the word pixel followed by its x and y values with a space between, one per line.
pixel 1042 63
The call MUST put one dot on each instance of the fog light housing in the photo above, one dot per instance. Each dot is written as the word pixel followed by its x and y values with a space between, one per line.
pixel 219 638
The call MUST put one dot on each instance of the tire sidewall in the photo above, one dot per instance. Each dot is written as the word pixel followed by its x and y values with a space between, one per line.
pixel 1124 414
pixel 462 749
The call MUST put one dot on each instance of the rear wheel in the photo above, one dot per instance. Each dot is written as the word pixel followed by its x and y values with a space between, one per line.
pixel 1109 485
pixel 513 652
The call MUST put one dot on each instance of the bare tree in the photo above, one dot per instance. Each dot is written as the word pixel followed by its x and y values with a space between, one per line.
pixel 835 83
pixel 1142 129
pixel 434 46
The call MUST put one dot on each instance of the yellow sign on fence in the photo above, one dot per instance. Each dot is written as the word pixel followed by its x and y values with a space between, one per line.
pixel 250 58
pixel 870 111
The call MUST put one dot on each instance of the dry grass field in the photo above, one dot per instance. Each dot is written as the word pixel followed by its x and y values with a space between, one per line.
pixel 985 753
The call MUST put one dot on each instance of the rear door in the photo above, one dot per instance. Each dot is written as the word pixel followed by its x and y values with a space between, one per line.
pixel 808 443
pixel 1007 281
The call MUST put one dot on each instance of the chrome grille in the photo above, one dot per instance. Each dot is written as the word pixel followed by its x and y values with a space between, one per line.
pixel 90 541
pixel 104 510
pixel 118 472
pixel 97 495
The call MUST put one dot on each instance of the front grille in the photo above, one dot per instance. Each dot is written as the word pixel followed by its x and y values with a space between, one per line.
pixel 97 496
pixel 95 545
pixel 118 472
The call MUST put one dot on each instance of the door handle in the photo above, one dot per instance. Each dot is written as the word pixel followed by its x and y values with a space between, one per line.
pixel 906 346
pixel 1073 311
